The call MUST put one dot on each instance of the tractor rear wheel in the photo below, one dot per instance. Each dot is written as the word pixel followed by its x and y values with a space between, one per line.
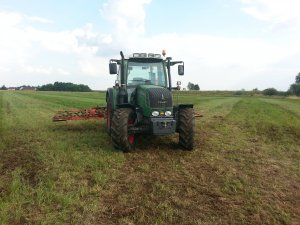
pixel 122 119
pixel 186 128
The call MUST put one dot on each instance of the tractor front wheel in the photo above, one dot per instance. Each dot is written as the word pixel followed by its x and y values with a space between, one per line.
pixel 122 120
pixel 186 128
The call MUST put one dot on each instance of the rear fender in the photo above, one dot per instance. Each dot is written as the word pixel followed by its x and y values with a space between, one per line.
pixel 111 97
pixel 176 108
pixel 137 110
pixel 134 109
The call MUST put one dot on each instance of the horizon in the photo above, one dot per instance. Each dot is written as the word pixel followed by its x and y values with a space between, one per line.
pixel 182 88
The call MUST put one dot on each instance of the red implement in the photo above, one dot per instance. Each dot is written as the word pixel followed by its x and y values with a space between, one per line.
pixel 80 114
pixel 86 114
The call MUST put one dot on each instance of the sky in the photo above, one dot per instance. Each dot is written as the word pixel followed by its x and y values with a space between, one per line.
pixel 225 44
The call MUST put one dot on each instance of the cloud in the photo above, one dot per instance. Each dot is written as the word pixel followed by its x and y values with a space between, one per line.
pixel 224 63
pixel 21 41
pixel 9 19
pixel 126 15
pixel 38 70
pixel 37 56
pixel 231 61
pixel 38 19
pixel 4 69
pixel 280 13
pixel 62 71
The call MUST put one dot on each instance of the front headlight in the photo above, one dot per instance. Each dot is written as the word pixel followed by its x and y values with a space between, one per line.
pixel 168 113
pixel 155 113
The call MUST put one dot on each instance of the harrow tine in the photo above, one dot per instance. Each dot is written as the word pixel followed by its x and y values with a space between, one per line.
pixel 81 114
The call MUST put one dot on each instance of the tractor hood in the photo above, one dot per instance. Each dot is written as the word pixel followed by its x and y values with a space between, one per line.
pixel 152 97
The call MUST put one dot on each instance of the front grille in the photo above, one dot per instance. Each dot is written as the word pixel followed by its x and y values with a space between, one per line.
pixel 160 98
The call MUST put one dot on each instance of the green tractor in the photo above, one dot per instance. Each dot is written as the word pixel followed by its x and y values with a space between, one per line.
pixel 141 101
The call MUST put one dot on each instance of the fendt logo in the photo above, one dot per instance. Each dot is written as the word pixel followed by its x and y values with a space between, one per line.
pixel 163 100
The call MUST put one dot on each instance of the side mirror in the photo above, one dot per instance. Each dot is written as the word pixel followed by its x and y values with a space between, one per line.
pixel 181 70
pixel 113 68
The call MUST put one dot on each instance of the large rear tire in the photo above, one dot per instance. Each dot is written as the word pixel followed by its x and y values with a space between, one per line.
pixel 122 139
pixel 186 128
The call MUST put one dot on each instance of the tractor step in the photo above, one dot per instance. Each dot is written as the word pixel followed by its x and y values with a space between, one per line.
pixel 80 114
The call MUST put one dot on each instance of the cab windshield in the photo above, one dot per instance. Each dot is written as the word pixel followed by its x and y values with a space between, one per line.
pixel 146 73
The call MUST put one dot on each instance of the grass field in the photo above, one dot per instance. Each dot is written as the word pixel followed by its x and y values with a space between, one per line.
pixel 245 168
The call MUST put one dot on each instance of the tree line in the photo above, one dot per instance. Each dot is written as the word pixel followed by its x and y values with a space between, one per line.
pixel 61 86
pixel 57 86
pixel 293 90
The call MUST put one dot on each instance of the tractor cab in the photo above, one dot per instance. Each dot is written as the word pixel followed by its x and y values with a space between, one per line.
pixel 143 68
pixel 146 72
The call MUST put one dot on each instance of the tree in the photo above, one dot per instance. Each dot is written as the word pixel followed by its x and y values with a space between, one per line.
pixel 61 86
pixel 3 87
pixel 295 89
pixel 192 86
pixel 298 79
pixel 196 87
pixel 270 91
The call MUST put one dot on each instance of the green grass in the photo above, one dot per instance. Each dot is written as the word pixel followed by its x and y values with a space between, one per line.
pixel 245 168
pixel 54 169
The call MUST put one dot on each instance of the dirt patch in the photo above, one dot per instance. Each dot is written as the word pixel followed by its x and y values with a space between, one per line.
pixel 25 160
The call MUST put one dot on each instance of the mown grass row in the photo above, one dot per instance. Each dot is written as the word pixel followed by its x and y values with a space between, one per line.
pixel 258 146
